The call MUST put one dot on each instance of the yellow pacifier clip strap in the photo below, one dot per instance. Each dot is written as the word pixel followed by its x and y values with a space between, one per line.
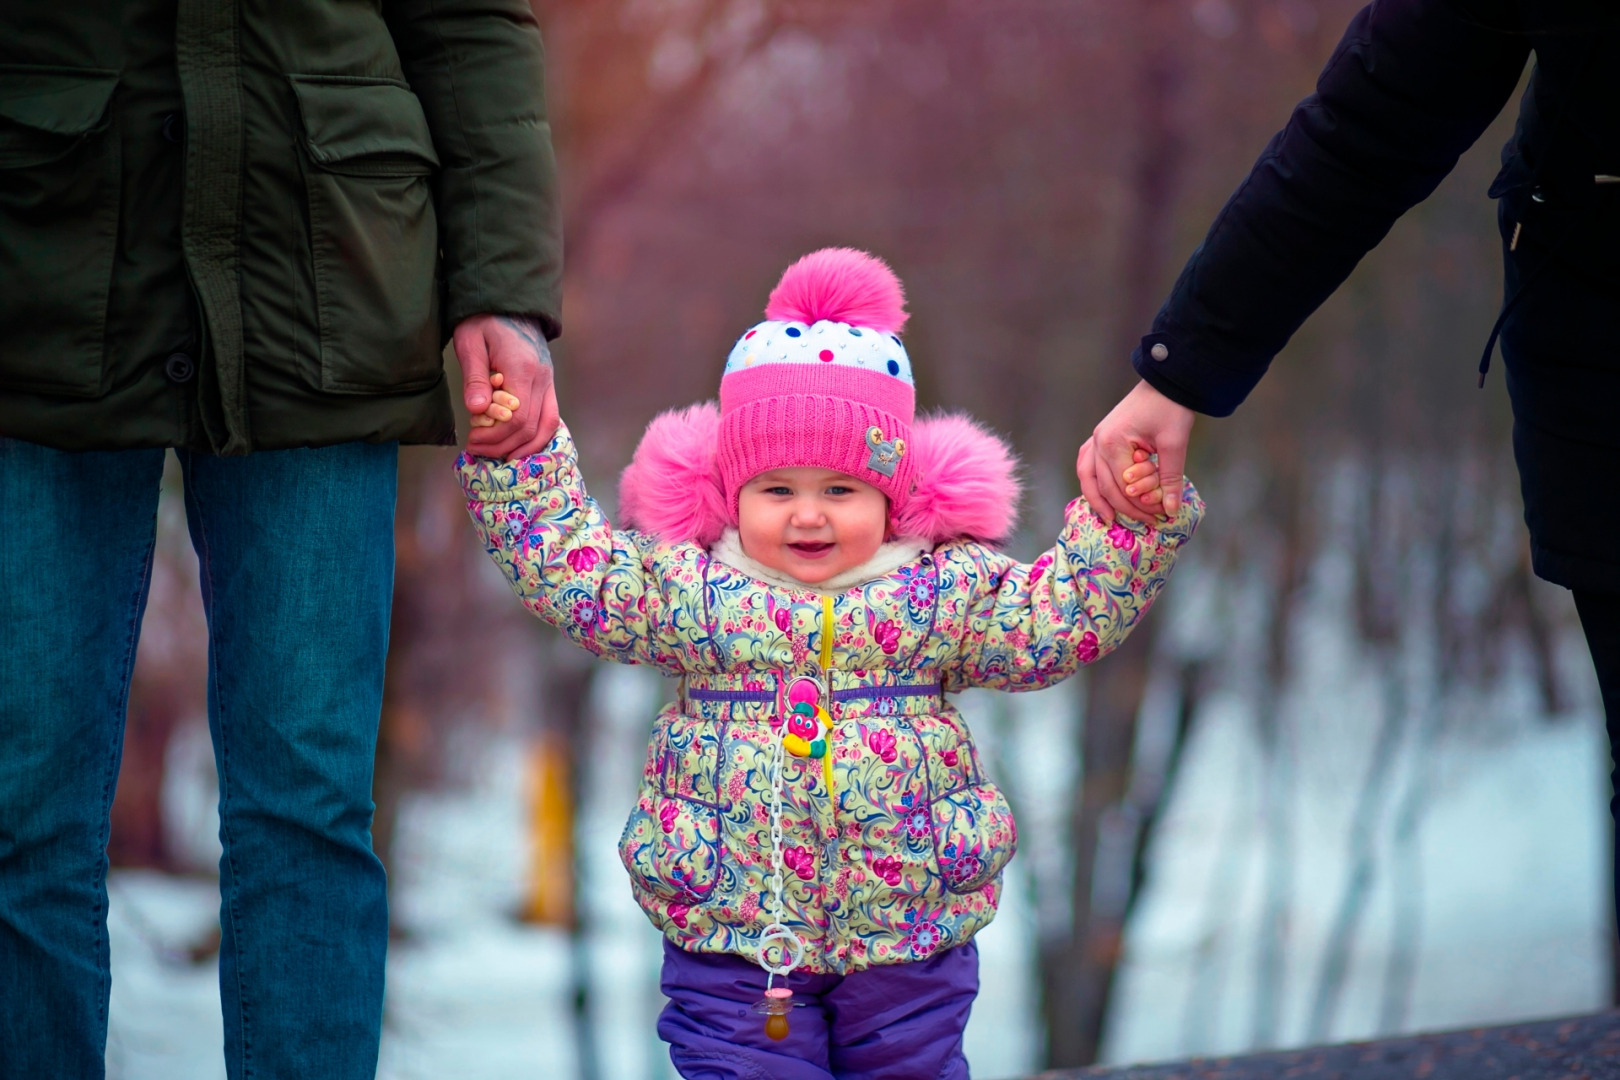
pixel 826 684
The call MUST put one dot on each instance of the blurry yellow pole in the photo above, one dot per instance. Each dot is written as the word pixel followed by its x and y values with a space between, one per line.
pixel 549 898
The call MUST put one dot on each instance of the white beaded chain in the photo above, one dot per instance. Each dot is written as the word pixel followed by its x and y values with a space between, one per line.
pixel 791 944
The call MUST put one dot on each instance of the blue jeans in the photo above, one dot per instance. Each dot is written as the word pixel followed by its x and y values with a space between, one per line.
pixel 296 550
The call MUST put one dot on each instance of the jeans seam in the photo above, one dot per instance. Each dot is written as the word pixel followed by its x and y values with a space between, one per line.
pixel 205 567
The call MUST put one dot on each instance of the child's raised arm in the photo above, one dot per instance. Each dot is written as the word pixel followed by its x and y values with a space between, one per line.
pixel 568 564
pixel 1029 625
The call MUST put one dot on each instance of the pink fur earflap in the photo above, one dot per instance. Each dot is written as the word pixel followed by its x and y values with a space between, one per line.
pixel 967 481
pixel 843 285
pixel 671 488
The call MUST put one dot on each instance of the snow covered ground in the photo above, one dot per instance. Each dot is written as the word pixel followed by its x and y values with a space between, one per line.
pixel 1510 900
pixel 1486 895
pixel 1496 887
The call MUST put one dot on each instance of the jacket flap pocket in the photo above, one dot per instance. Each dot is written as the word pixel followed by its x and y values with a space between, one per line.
pixel 371 123
pixel 59 101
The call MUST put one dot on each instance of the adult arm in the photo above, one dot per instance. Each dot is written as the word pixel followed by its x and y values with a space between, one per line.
pixel 1410 86
pixel 478 68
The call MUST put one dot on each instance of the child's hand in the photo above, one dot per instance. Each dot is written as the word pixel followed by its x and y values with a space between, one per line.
pixel 515 347
pixel 1141 482
pixel 502 405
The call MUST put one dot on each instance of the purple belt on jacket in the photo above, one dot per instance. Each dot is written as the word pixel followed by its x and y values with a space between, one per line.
pixel 767 702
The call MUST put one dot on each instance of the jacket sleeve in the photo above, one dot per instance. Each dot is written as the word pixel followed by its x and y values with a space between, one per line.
pixel 1412 84
pixel 565 561
pixel 1027 626
pixel 479 70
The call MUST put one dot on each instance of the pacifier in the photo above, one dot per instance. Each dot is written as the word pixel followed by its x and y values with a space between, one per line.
pixel 778 1000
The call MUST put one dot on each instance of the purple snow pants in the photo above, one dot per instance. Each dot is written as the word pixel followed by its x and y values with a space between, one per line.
pixel 893 1022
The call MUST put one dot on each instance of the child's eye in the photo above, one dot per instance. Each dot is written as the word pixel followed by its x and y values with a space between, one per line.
pixel 779 490
pixel 839 490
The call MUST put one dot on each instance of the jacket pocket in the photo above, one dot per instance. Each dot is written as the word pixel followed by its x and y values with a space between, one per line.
pixel 671 845
pixel 374 241
pixel 59 187
pixel 974 836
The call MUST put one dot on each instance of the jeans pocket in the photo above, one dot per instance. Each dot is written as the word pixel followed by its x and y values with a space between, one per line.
pixel 59 190
pixel 374 241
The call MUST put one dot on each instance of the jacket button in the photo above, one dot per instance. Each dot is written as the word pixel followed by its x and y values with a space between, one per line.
pixel 1161 351
pixel 179 368
pixel 172 127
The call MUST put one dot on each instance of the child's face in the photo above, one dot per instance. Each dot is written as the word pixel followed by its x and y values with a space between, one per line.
pixel 811 523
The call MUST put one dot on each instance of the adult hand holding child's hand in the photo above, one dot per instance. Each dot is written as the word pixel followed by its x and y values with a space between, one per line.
pixel 1145 420
pixel 515 348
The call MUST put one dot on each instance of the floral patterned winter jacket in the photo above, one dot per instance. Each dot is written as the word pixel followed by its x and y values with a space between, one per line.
pixel 901 855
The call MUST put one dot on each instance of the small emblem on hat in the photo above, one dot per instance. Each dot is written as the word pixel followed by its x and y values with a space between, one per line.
pixel 886 455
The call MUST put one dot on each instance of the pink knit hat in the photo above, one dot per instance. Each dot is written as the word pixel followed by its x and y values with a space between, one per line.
pixel 824 380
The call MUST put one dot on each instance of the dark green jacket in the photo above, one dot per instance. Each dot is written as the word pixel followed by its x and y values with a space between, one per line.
pixel 252 224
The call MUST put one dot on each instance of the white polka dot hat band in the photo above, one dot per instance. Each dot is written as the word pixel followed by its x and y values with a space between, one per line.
pixel 824 342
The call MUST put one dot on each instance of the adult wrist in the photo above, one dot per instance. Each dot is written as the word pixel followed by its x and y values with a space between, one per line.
pixel 1171 367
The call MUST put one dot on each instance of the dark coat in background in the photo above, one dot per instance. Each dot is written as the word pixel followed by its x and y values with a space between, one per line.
pixel 233 225
pixel 1411 86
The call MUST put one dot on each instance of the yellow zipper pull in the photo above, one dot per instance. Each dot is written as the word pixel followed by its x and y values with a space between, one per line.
pixel 826 683
pixel 826 633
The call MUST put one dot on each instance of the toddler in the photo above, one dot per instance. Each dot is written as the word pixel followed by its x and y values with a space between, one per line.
pixel 817 567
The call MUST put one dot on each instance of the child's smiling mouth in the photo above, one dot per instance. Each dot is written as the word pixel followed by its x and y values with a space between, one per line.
pixel 808 550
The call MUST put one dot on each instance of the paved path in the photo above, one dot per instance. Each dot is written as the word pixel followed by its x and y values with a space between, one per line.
pixel 1581 1048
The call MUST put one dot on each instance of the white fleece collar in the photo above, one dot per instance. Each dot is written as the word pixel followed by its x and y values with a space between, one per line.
pixel 886 560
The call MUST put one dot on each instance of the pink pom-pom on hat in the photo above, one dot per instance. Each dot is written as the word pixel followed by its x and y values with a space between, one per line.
pixel 672 486
pixel 823 381
pixel 967 483
pixel 840 285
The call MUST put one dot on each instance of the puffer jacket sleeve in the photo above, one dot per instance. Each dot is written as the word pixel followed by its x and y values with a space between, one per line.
pixel 1030 625
pixel 479 69
pixel 614 593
